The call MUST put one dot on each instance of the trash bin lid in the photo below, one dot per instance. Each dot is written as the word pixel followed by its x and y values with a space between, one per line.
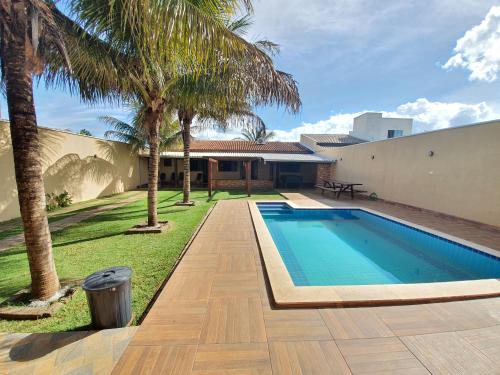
pixel 107 278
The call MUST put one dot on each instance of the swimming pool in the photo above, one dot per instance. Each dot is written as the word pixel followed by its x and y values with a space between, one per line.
pixel 339 247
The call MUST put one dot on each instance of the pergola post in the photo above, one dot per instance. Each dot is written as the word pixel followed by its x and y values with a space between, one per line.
pixel 248 172
pixel 211 163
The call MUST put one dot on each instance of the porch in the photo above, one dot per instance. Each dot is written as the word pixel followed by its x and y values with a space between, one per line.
pixel 242 172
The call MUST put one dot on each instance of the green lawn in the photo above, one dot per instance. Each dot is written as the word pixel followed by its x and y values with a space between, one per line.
pixel 14 226
pixel 99 242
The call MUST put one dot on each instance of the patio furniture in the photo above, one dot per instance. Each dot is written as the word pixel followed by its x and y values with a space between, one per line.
pixel 344 186
pixel 327 186
pixel 340 187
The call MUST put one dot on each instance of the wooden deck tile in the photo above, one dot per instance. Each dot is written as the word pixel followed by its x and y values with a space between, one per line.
pixel 357 323
pixel 180 312
pixel 234 320
pixel 307 357
pixel 232 359
pixel 236 247
pixel 295 325
pixel 229 236
pixel 236 263
pixel 411 320
pixel 172 333
pixel 198 262
pixel 463 315
pixel 487 340
pixel 173 360
pixel 194 285
pixel 448 353
pixel 382 355
pixel 244 284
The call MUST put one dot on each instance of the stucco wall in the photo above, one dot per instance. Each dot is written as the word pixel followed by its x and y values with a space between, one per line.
pixel 372 126
pixel 462 178
pixel 86 167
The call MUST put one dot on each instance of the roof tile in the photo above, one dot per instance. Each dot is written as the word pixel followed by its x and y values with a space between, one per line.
pixel 248 146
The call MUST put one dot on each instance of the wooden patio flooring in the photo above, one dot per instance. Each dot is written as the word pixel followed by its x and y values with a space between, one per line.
pixel 215 317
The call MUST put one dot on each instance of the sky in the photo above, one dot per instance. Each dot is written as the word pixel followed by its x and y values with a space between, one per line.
pixel 435 61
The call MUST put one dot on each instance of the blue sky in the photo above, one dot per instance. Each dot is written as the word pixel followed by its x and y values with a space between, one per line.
pixel 435 61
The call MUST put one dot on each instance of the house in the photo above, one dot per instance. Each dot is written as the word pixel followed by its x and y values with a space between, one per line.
pixel 371 126
pixel 322 142
pixel 240 164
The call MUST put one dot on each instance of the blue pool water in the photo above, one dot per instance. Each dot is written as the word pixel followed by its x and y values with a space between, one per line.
pixel 355 247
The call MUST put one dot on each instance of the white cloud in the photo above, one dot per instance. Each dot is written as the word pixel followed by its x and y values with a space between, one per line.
pixel 429 115
pixel 426 116
pixel 338 123
pixel 217 134
pixel 479 49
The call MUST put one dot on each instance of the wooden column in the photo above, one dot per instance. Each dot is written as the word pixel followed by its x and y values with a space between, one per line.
pixel 211 163
pixel 248 175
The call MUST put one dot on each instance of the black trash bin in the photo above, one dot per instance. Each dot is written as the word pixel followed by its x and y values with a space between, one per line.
pixel 109 297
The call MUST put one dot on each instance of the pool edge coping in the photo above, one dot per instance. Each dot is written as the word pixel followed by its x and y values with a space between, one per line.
pixel 286 294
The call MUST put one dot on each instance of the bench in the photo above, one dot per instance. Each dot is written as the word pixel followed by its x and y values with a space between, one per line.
pixel 324 188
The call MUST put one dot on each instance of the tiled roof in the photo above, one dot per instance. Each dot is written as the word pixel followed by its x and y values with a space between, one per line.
pixel 247 146
pixel 327 140
pixel 266 156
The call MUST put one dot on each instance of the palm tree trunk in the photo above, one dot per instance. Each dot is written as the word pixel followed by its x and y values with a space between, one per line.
pixel 26 149
pixel 152 121
pixel 185 119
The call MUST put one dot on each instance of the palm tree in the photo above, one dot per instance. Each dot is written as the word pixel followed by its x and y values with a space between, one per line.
pixel 159 42
pixel 256 134
pixel 20 43
pixel 135 134
pixel 107 42
pixel 225 98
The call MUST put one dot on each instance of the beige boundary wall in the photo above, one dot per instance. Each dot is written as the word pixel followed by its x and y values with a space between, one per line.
pixel 461 179
pixel 87 167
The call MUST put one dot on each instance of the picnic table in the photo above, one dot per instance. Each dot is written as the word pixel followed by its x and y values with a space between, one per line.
pixel 339 187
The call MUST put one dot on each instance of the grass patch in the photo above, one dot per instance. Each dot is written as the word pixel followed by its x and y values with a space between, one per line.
pixel 14 226
pixel 99 242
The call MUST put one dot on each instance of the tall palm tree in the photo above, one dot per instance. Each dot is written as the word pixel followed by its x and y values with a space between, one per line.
pixel 20 44
pixel 228 95
pixel 211 113
pixel 159 50
pixel 257 134
pixel 134 133
pixel 109 39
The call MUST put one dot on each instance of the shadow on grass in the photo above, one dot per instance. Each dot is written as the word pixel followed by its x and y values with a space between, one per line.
pixel 87 239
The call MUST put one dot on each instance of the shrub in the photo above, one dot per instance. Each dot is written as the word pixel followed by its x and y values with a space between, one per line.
pixel 64 199
pixel 51 202
pixel 54 200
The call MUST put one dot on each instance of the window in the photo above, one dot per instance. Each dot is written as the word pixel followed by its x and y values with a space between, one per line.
pixel 195 164
pixel 167 162
pixel 394 133
pixel 228 166
pixel 290 168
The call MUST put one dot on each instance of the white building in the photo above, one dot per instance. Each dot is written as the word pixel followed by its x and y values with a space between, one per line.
pixel 371 126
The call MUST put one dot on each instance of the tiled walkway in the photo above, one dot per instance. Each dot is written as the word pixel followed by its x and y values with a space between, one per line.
pixel 214 317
